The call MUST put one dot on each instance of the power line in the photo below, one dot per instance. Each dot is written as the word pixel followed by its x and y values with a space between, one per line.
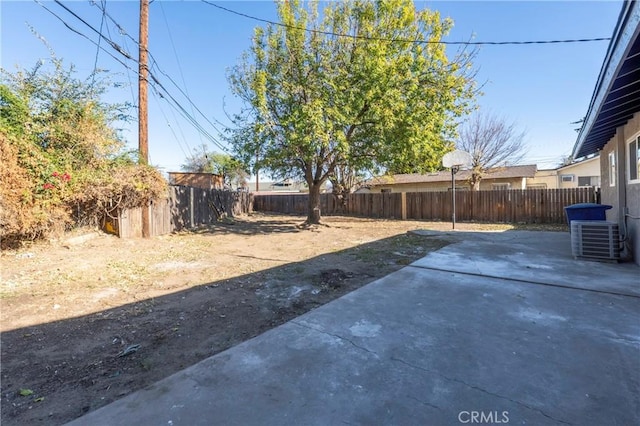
pixel 154 79
pixel 160 70
pixel 102 36
pixel 95 62
pixel 399 40
pixel 175 54
pixel 186 114
pixel 157 67
pixel 122 31
pixel 155 96
pixel 104 10
pixel 83 35
pixel 133 96
pixel 96 44
pixel 184 139
pixel 175 118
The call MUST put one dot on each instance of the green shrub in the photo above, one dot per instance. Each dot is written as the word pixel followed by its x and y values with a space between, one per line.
pixel 63 161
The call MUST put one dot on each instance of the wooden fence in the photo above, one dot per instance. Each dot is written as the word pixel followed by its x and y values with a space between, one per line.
pixel 185 207
pixel 513 206
pixel 191 207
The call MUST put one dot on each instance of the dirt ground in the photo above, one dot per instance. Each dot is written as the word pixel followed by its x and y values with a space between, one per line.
pixel 89 319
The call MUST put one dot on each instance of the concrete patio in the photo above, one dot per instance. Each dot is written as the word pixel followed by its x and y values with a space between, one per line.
pixel 500 327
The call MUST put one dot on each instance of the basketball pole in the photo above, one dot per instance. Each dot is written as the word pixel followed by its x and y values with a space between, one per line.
pixel 453 196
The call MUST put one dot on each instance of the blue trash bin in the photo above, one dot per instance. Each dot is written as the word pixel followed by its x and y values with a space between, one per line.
pixel 586 211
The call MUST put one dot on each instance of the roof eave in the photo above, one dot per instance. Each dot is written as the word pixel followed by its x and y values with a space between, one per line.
pixel 626 30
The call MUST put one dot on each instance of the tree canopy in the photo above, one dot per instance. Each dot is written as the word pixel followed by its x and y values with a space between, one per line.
pixel 205 161
pixel 364 86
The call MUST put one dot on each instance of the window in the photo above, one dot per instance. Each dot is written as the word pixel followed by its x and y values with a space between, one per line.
pixel 612 169
pixel 634 160
pixel 537 186
pixel 588 180
pixel 566 178
pixel 500 186
pixel 386 190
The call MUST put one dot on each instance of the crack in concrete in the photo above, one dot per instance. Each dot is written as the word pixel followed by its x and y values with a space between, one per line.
pixel 424 402
pixel 626 340
pixel 521 280
pixel 334 335
pixel 451 379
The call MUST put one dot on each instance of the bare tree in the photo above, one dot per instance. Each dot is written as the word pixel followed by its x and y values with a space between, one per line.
pixel 566 160
pixel 344 181
pixel 492 142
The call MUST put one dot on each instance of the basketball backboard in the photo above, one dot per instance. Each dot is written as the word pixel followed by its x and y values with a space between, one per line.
pixel 458 159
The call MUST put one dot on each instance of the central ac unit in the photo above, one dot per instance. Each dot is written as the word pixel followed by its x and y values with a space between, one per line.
pixel 595 239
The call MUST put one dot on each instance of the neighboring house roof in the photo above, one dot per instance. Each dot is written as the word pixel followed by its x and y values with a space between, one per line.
pixel 615 98
pixel 579 163
pixel 287 185
pixel 444 176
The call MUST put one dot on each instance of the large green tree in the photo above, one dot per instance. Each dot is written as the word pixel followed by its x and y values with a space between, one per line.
pixel 365 86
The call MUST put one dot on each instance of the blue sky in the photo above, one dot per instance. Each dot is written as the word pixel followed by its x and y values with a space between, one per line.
pixel 541 87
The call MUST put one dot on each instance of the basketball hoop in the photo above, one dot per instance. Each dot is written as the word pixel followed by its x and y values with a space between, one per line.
pixel 456 160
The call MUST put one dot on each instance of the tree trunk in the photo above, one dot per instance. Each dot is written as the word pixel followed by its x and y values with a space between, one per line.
pixel 313 214
pixel 341 195
pixel 474 182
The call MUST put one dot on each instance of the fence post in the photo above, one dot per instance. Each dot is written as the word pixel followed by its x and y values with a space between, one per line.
pixel 403 201
pixel 191 212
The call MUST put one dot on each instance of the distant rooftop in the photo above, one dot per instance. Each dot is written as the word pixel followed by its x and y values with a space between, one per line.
pixel 506 172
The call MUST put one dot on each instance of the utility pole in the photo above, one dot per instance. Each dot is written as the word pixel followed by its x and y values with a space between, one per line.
pixel 143 113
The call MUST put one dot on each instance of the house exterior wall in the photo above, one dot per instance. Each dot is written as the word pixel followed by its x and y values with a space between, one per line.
pixel 586 168
pixel 514 183
pixel 631 130
pixel 610 184
pixel 485 185
pixel 552 178
pixel 415 187
pixel 544 179
pixel 623 195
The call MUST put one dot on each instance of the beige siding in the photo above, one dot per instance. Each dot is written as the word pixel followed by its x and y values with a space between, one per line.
pixel 514 183
pixel 552 179
pixel 586 168
pixel 632 191
pixel 547 179
pixel 609 189
pixel 485 185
